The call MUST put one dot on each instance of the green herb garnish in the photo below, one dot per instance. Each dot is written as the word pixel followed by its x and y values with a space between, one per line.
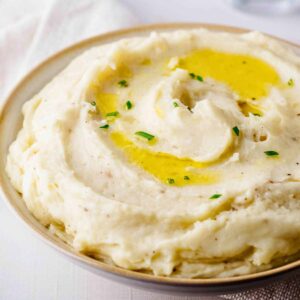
pixel 170 181
pixel 199 78
pixel 236 130
pixel 128 105
pixel 93 103
pixel 271 153
pixel 186 177
pixel 104 126
pixel 215 196
pixel 112 114
pixel 291 82
pixel 194 76
pixel 123 83
pixel 145 135
pixel 175 104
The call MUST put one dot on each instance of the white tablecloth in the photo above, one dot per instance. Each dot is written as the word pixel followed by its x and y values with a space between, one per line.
pixel 30 30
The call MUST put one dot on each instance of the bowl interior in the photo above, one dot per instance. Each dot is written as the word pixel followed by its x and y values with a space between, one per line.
pixel 11 121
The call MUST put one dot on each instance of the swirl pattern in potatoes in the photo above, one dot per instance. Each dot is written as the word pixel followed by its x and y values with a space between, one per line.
pixel 175 154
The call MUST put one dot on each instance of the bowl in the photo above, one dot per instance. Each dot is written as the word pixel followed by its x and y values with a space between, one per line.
pixel 10 123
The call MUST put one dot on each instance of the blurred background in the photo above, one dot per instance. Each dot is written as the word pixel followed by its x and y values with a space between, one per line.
pixel 31 30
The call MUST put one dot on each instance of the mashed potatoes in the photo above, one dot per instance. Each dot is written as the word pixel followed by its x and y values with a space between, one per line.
pixel 175 154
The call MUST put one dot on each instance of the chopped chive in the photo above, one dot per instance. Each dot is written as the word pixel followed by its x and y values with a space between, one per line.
pixel 104 126
pixel 199 78
pixel 170 181
pixel 186 177
pixel 236 130
pixel 145 135
pixel 112 114
pixel 175 104
pixel 128 105
pixel 123 83
pixel 194 76
pixel 257 115
pixel 271 153
pixel 291 82
pixel 93 103
pixel 215 196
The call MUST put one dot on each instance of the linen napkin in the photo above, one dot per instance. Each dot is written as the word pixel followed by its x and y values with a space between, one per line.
pixel 30 40
pixel 56 24
pixel 285 290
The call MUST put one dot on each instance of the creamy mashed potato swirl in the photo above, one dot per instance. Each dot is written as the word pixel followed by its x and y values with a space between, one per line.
pixel 175 154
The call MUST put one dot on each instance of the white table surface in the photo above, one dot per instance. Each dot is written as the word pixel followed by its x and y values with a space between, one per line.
pixel 29 269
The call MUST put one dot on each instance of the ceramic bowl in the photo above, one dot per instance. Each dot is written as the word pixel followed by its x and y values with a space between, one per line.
pixel 10 123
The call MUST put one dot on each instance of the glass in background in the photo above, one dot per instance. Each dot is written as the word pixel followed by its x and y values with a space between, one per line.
pixel 267 6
